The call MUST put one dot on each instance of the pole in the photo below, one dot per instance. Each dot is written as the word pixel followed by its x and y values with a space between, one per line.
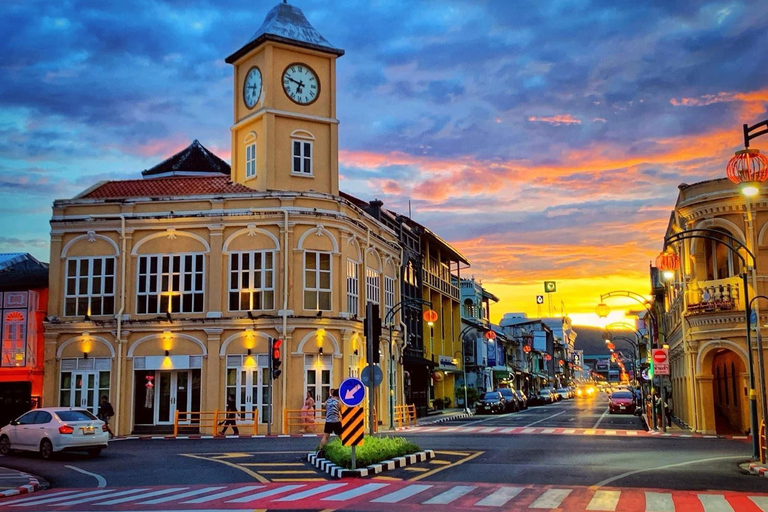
pixel 269 388
pixel 750 359
pixel 369 348
pixel 353 458
pixel 391 380
pixel 464 369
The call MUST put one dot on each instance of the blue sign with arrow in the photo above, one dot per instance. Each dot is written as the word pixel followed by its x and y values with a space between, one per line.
pixel 378 376
pixel 352 392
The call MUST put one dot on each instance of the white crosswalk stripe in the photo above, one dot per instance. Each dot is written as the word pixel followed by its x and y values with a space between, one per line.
pixel 551 498
pixel 761 502
pixel 450 495
pixel 499 497
pixel 266 494
pixel 714 503
pixel 96 498
pixel 604 500
pixel 659 502
pixel 354 493
pixel 143 496
pixel 402 494
pixel 57 498
pixel 188 494
pixel 224 494
pixel 36 499
pixel 312 492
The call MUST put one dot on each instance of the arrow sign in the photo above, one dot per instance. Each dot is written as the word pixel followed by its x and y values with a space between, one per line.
pixel 352 392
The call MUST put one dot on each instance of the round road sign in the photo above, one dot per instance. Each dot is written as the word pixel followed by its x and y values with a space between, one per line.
pixel 659 355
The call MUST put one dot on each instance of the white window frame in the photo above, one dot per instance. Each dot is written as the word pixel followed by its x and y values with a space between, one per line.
pixel 372 286
pixel 250 159
pixel 161 291
pixel 317 364
pixel 318 290
pixel 266 275
pixel 89 295
pixel 389 295
pixel 353 287
pixel 306 167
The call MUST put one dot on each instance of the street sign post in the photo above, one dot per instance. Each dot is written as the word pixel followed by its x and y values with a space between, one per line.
pixel 352 428
pixel 378 376
pixel 352 392
pixel 660 361
pixel 539 299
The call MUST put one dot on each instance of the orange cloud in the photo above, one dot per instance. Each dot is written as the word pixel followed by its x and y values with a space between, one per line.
pixel 555 120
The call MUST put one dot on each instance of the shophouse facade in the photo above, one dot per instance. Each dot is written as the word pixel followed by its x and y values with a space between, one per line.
pixel 166 290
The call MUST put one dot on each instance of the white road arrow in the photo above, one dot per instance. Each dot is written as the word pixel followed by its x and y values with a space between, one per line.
pixel 352 392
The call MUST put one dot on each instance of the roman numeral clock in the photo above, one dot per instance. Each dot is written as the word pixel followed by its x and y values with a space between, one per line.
pixel 301 84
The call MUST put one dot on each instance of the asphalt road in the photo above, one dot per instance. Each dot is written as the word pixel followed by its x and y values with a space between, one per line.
pixel 489 455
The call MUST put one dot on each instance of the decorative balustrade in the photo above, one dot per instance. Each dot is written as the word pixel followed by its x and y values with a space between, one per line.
pixel 715 296
pixel 438 283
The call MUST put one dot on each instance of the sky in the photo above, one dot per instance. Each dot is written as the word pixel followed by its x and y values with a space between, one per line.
pixel 544 140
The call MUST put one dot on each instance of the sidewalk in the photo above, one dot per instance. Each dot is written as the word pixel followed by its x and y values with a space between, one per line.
pixel 14 482
pixel 442 415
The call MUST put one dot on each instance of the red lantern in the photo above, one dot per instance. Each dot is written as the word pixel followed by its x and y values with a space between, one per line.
pixel 610 346
pixel 526 348
pixel 547 357
pixel 490 335
pixel 430 316
pixel 667 261
pixel 747 166
pixel 561 362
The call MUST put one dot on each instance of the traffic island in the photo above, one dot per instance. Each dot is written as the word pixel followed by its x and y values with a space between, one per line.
pixel 16 482
pixel 374 455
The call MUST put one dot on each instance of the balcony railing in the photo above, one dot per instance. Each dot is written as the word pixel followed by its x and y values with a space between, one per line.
pixel 438 283
pixel 715 296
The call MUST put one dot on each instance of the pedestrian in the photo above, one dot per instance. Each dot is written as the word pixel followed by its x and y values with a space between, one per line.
pixel 308 414
pixel 231 419
pixel 105 413
pixel 332 420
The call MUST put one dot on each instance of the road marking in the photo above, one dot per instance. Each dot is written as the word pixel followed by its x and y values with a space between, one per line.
pixel 102 482
pixel 528 431
pixel 255 475
pixel 290 472
pixel 266 494
pixel 311 492
pixel 668 466
pixel 551 499
pixel 94 498
pixel 458 454
pixel 35 499
pixel 601 418
pixel 545 419
pixel 441 468
pixel 487 430
pixel 610 432
pixel 659 502
pixel 300 479
pixel 181 496
pixel 499 497
pixel 714 503
pixel 224 494
pixel 354 493
pixel 415 469
pixel 450 495
pixel 232 456
pixel 761 502
pixel 147 495
pixel 439 462
pixel 569 431
pixel 59 497
pixel 548 431
pixel 402 494
pixel 604 500
pixel 272 464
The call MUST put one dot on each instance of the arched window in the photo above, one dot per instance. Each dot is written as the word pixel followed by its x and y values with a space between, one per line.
pixel 721 262
pixel 469 308
pixel 301 153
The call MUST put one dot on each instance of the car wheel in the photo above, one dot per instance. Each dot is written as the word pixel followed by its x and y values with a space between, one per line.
pixel 46 449
pixel 94 452
pixel 5 445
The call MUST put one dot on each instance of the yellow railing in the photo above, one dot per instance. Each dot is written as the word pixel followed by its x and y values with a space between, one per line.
pixel 762 442
pixel 309 422
pixel 405 415
pixel 187 422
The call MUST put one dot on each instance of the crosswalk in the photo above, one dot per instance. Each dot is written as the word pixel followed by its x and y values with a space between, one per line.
pixel 373 495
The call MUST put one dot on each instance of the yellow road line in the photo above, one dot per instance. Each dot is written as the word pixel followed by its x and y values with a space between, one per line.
pixel 273 464
pixel 230 464
pixel 415 469
pixel 440 462
pixel 231 455
pixel 258 453
pixel 291 472
pixel 460 454
pixel 437 470
pixel 386 478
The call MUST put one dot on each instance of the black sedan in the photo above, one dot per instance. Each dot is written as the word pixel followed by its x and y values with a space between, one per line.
pixel 543 397
pixel 490 403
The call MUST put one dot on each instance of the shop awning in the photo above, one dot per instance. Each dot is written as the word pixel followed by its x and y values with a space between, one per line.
pixel 418 361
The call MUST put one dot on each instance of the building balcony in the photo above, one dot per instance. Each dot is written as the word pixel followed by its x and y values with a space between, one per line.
pixel 715 296
pixel 438 283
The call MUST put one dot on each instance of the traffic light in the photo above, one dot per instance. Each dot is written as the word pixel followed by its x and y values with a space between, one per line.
pixel 276 362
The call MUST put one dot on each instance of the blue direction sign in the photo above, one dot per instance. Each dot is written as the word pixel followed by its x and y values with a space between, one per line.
pixel 378 376
pixel 352 392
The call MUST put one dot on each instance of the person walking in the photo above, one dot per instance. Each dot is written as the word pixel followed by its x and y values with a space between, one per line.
pixel 231 419
pixel 308 414
pixel 105 413
pixel 332 420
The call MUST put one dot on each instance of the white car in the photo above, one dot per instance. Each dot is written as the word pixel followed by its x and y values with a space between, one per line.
pixel 54 429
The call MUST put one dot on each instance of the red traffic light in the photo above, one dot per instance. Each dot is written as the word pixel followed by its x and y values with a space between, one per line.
pixel 276 348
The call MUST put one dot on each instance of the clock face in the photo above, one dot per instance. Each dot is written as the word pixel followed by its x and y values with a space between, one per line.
pixel 301 84
pixel 252 87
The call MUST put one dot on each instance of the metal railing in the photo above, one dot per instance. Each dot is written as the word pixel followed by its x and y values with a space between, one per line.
pixel 763 443
pixel 312 421
pixel 194 422
pixel 405 415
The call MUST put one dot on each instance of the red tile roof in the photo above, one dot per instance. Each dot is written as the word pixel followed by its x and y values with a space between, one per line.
pixel 166 187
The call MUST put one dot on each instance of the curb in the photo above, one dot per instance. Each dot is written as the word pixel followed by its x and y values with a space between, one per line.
pixel 32 486
pixel 758 469
pixel 449 418
pixel 339 472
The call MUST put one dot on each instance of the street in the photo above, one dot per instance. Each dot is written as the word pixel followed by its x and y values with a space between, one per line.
pixel 566 456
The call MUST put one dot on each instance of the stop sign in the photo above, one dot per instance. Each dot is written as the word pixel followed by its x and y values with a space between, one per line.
pixel 659 355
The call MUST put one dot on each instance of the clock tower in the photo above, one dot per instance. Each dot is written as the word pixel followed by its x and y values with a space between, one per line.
pixel 285 131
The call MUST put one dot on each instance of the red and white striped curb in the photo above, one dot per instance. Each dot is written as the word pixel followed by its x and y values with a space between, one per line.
pixel 29 488
pixel 758 469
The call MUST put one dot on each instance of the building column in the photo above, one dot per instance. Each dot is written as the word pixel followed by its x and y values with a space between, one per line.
pixel 51 371
pixel 211 373
pixel 215 272
pixel 706 404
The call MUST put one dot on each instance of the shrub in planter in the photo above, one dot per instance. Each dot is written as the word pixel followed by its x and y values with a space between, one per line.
pixel 374 449
pixel 446 402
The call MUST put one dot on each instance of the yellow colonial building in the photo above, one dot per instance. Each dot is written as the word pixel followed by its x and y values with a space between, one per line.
pixel 705 322
pixel 164 291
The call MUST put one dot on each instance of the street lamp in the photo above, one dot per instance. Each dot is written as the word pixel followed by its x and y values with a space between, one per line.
pixel 463 332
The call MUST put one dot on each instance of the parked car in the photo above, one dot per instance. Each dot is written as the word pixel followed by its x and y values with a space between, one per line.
pixel 522 399
pixel 512 403
pixel 54 429
pixel 621 401
pixel 543 397
pixel 563 393
pixel 491 402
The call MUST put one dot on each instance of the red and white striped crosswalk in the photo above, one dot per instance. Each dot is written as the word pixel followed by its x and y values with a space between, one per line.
pixel 447 429
pixel 376 495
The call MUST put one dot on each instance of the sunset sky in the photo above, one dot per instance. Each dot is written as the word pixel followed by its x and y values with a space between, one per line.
pixel 545 140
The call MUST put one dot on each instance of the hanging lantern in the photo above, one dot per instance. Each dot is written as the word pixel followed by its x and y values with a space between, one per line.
pixel 490 335
pixel 610 346
pixel 430 316
pixel 561 362
pixel 748 168
pixel 667 262
pixel 547 357
pixel 602 310
pixel 527 348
